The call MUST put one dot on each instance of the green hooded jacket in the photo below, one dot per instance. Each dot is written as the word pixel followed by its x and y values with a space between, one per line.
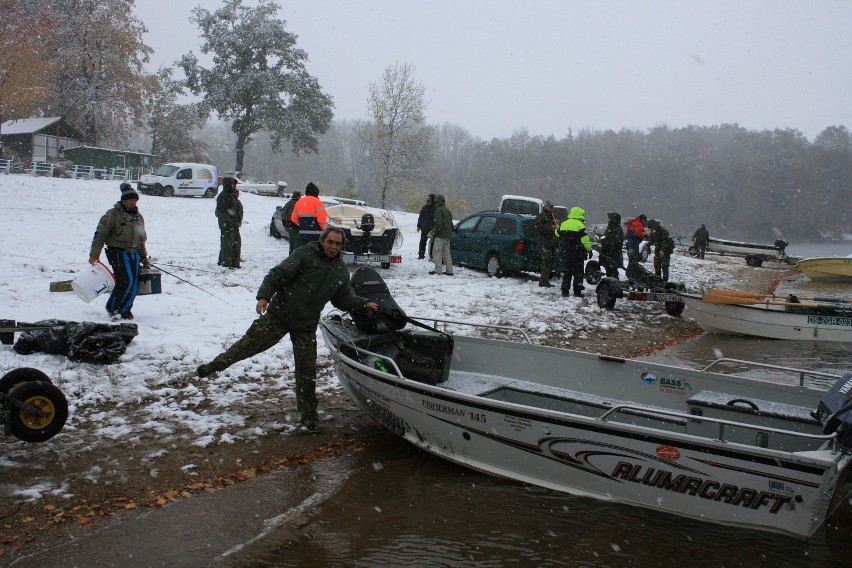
pixel 299 288
pixel 118 229
pixel 443 228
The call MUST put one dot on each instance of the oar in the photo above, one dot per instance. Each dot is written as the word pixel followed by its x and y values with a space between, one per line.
pixel 745 294
pixel 718 299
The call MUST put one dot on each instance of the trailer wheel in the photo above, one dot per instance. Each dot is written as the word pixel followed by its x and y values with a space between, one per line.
pixel 754 260
pixel 607 293
pixel 674 309
pixel 20 376
pixel 385 265
pixel 47 398
pixel 593 272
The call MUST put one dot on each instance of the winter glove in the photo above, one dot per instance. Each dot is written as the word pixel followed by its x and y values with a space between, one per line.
pixel 591 254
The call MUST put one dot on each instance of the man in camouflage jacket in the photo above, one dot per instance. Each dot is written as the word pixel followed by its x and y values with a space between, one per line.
pixel 290 300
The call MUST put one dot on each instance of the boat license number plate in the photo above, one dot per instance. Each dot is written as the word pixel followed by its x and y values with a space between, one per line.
pixel 371 258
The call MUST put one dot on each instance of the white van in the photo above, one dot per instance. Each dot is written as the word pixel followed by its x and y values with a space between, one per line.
pixel 182 179
pixel 523 205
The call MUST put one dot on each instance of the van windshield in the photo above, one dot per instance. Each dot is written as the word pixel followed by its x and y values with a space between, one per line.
pixel 519 207
pixel 166 170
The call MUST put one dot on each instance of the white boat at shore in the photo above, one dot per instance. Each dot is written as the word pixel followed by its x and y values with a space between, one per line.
pixel 832 268
pixel 744 313
pixel 705 445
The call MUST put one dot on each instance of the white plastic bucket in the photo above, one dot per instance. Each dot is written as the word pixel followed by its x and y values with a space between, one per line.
pixel 94 281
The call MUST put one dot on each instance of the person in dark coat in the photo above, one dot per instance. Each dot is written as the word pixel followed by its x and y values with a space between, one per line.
pixel 122 230
pixel 292 229
pixel 663 248
pixel 229 212
pixel 442 231
pixel 545 228
pixel 290 300
pixel 574 246
pixel 612 246
pixel 701 239
pixel 425 222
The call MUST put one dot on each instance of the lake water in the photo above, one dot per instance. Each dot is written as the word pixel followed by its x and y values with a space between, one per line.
pixel 403 507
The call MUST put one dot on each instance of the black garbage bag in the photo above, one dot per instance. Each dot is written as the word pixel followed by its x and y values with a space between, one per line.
pixel 86 342
pixel 53 340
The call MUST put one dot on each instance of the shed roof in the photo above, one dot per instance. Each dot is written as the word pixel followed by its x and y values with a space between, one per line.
pixel 84 147
pixel 27 125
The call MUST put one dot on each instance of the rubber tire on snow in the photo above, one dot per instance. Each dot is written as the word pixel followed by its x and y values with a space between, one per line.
pixel 674 309
pixel 168 191
pixel 47 398
pixel 493 266
pixel 210 193
pixel 19 376
pixel 607 294
pixel 593 272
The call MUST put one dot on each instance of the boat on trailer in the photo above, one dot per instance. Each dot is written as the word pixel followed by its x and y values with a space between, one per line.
pixel 734 312
pixel 702 444
pixel 371 233
pixel 755 253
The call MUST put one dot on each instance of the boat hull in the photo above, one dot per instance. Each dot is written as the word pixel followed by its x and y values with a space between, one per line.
pixel 827 269
pixel 722 246
pixel 545 440
pixel 767 320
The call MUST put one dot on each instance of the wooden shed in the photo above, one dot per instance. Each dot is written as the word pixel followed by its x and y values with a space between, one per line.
pixel 38 139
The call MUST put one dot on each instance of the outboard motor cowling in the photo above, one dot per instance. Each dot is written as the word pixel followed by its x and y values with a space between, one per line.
pixel 390 317
pixel 835 411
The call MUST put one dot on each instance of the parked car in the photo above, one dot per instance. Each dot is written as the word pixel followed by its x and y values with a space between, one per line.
pixel 499 243
pixel 181 179
pixel 262 188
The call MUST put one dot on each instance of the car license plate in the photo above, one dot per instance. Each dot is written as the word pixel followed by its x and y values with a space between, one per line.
pixel 371 258
pixel 668 298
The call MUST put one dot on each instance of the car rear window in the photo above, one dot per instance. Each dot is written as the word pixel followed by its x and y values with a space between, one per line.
pixel 529 228
pixel 505 226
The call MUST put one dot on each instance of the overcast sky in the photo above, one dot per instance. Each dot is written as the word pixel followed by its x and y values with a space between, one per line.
pixel 497 66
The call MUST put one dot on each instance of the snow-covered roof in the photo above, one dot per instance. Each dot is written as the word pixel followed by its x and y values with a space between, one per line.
pixel 27 125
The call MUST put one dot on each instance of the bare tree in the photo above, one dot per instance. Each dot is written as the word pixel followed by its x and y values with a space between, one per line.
pixel 398 136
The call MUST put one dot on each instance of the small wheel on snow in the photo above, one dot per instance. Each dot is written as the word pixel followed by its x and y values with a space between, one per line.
pixel 674 309
pixel 385 265
pixel 44 397
pixel 20 376
pixel 493 266
pixel 607 293
pixel 593 272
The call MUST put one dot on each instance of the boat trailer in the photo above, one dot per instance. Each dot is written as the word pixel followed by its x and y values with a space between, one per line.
pixel 640 286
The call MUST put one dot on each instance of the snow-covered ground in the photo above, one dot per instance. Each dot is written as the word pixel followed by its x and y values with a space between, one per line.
pixel 46 228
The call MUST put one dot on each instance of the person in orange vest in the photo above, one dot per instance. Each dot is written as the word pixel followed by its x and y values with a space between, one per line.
pixel 309 214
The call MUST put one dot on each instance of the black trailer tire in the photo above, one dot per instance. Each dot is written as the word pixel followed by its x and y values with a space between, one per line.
pixel 607 293
pixel 592 273
pixel 674 309
pixel 754 260
pixel 385 265
pixel 493 266
pixel 19 376
pixel 47 398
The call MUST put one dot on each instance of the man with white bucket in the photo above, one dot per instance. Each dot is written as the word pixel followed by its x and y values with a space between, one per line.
pixel 122 230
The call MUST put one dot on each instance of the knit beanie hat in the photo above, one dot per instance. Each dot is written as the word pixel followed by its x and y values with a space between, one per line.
pixel 312 189
pixel 127 191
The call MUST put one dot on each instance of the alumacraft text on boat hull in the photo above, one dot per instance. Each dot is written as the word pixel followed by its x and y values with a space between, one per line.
pixel 705 445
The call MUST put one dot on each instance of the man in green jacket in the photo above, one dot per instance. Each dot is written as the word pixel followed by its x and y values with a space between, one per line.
pixel 545 227
pixel 442 231
pixel 290 300
pixel 229 212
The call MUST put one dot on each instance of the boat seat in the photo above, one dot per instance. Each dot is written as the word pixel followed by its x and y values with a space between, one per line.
pixel 753 406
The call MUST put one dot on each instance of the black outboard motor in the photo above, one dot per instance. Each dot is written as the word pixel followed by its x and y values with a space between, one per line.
pixel 390 317
pixel 368 224
pixel 835 411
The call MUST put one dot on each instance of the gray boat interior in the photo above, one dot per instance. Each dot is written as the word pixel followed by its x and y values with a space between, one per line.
pixel 561 384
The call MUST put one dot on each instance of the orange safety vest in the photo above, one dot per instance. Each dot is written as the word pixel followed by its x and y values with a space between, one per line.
pixel 310 216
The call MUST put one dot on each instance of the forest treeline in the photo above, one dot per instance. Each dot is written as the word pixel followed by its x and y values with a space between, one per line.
pixel 742 184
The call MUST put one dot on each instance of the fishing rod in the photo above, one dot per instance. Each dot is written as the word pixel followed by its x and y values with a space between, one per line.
pixel 160 268
pixel 190 268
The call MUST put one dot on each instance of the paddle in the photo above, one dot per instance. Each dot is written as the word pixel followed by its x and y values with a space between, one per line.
pixel 736 300
pixel 758 295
